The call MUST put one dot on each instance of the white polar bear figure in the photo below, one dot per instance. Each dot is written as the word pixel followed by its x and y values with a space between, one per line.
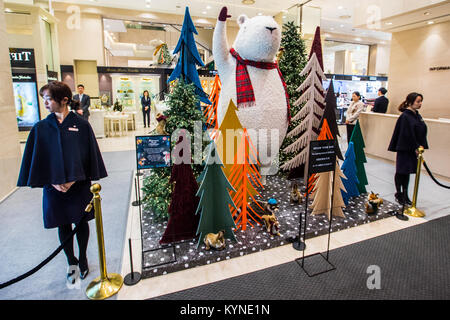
pixel 258 40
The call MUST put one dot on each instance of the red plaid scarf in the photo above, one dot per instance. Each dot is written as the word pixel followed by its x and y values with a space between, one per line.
pixel 245 94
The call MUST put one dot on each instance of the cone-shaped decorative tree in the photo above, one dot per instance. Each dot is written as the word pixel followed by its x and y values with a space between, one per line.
pixel 310 114
pixel 349 170
pixel 330 115
pixel 245 178
pixel 210 111
pixel 292 62
pixel 358 141
pixel 163 54
pixel 215 200
pixel 325 134
pixel 323 194
pixel 189 58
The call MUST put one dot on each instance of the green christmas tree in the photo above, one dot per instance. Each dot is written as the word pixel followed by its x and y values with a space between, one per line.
pixel 215 200
pixel 182 114
pixel 358 141
pixel 292 62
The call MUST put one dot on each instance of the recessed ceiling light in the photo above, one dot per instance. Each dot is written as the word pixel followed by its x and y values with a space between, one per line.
pixel 340 7
pixel 427 13
pixel 430 22
pixel 358 39
pixel 208 7
pixel 389 23
pixel 259 14
pixel 204 12
pixel 248 2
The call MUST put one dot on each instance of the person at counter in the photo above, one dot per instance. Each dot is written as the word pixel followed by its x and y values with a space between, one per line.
pixel 381 103
pixel 410 134
pixel 353 112
pixel 146 103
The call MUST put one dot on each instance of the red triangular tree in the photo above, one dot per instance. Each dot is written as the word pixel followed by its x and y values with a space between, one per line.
pixel 311 113
pixel 183 221
pixel 245 177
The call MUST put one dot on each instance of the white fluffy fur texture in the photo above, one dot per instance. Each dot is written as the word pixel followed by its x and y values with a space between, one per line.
pixel 254 42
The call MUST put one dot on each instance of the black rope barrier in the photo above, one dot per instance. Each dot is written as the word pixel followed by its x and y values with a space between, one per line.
pixel 43 263
pixel 432 177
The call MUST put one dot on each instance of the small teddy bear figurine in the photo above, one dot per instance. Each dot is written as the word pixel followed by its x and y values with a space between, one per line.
pixel 270 220
pixel 296 196
pixel 161 127
pixel 216 241
pixel 374 203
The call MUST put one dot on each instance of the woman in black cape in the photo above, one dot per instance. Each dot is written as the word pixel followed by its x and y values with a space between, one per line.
pixel 62 157
pixel 409 135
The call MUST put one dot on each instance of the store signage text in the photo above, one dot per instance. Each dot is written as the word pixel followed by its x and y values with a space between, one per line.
pixel 21 58
pixel 440 68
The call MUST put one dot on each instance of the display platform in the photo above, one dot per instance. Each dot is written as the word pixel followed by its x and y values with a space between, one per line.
pixel 159 260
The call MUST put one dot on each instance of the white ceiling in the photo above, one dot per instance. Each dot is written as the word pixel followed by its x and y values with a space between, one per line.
pixel 333 11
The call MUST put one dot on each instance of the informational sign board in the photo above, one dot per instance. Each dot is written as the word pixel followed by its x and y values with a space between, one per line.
pixel 322 156
pixel 153 152
pixel 22 58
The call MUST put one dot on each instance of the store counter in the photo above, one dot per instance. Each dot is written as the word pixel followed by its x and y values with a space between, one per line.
pixel 96 119
pixel 378 129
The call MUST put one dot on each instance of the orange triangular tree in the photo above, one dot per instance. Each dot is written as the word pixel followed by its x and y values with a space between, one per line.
pixel 245 177
pixel 210 111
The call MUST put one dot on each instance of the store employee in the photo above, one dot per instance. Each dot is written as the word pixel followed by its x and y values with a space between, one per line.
pixel 353 112
pixel 381 103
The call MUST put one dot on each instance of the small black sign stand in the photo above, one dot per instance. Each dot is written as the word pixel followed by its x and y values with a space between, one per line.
pixel 332 159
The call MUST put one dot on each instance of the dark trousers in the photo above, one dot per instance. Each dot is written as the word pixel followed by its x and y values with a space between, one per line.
pixel 82 239
pixel 146 115
pixel 401 183
pixel 350 128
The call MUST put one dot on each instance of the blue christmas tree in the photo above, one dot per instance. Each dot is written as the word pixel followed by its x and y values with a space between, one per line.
pixel 189 58
pixel 349 170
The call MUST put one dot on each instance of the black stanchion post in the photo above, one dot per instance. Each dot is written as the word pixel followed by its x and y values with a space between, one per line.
pixel 133 277
pixel 137 202
pixel 300 245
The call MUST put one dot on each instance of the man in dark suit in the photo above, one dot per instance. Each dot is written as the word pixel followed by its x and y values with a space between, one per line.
pixel 381 103
pixel 85 102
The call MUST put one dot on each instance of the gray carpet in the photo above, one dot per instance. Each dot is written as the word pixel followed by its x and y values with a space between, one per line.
pixel 24 242
pixel 413 264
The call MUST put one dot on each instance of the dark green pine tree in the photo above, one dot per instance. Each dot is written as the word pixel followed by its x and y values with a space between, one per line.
pixel 358 141
pixel 215 199
pixel 182 114
pixel 292 62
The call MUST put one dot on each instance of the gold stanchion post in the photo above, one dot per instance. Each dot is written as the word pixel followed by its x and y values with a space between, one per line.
pixel 106 285
pixel 413 211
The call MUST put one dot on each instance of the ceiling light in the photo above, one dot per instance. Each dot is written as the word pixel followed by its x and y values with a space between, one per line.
pixel 430 22
pixel 340 7
pixel 389 23
pixel 358 39
pixel 427 13
pixel 248 2
pixel 259 14
pixel 208 7
pixel 147 5
pixel 8 10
